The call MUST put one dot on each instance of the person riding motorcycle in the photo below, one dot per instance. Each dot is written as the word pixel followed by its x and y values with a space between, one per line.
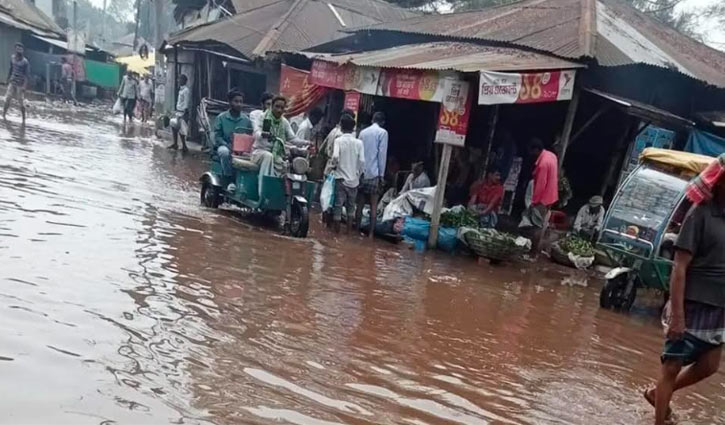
pixel 272 134
pixel 227 124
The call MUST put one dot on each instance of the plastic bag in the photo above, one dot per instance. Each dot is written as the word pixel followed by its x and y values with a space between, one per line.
pixel 327 193
pixel 117 107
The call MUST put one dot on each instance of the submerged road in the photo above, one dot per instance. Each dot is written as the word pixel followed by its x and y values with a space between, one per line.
pixel 123 301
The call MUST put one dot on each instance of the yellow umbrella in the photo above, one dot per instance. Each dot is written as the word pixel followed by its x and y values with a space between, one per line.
pixel 136 64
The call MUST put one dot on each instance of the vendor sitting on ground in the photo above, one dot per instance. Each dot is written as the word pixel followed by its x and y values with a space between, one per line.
pixel 417 179
pixel 590 218
pixel 268 154
pixel 486 200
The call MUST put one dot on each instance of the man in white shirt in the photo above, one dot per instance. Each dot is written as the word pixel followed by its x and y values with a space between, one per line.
pixel 375 143
pixel 418 179
pixel 270 128
pixel 265 103
pixel 348 161
pixel 181 114
pixel 590 218
pixel 305 131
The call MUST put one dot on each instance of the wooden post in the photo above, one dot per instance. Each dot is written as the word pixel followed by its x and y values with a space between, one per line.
pixel 435 218
pixel 208 75
pixel 568 125
pixel 47 78
pixel 491 133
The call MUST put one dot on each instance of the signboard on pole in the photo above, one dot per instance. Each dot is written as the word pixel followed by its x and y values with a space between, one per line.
pixel 352 101
pixel 455 113
pixel 497 88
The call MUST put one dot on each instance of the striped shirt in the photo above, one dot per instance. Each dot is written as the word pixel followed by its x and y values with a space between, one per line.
pixel 19 71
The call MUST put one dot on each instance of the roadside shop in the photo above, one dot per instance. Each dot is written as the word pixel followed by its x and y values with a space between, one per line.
pixel 442 109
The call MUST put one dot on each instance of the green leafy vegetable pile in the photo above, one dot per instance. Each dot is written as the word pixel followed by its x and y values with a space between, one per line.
pixel 464 218
pixel 577 246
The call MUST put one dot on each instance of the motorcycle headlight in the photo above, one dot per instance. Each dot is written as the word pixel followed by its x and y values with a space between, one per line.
pixel 300 165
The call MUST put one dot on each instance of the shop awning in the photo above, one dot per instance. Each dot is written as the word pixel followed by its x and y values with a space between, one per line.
pixel 715 118
pixel 57 43
pixel 644 111
pixel 449 55
pixel 137 64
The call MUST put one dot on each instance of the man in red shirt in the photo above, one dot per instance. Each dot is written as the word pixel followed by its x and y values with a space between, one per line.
pixel 545 193
pixel 486 198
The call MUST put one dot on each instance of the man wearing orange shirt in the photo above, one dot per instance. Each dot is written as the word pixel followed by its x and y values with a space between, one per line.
pixel 545 193
pixel 486 199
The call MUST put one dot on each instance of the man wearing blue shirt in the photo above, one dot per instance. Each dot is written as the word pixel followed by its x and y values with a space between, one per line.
pixel 375 147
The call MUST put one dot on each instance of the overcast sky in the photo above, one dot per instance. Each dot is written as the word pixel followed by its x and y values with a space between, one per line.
pixel 713 32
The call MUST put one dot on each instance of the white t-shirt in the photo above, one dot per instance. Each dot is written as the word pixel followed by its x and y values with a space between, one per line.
pixel 348 157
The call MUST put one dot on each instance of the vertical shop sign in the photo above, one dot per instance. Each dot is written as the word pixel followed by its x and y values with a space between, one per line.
pixel 352 101
pixel 455 113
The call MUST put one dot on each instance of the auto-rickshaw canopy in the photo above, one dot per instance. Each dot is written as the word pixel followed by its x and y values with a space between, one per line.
pixel 686 161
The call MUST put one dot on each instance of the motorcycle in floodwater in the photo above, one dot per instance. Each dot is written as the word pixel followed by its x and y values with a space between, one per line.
pixel 286 195
pixel 642 224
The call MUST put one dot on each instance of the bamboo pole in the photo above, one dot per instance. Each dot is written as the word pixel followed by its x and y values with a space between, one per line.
pixel 435 218
pixel 568 125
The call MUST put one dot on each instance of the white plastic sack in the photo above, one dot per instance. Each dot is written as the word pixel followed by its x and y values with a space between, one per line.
pixel 405 204
pixel 580 262
pixel 328 189
pixel 117 107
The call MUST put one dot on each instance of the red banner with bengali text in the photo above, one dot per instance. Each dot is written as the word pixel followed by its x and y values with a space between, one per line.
pixel 302 95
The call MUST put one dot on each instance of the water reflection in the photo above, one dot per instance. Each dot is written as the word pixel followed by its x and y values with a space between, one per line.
pixel 123 301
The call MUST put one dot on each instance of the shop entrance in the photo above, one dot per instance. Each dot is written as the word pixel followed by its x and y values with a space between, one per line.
pixel 411 126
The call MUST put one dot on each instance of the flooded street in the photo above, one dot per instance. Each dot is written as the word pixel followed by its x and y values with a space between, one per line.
pixel 123 301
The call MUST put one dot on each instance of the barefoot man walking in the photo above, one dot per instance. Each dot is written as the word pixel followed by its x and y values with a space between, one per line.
pixel 695 314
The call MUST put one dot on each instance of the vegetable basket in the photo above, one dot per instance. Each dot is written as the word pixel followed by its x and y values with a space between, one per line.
pixel 492 246
pixel 559 256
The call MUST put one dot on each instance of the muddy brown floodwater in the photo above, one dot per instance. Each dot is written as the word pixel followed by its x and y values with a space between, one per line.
pixel 122 301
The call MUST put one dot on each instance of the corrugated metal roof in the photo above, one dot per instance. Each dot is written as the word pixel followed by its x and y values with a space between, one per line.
pixel 611 31
pixel 451 55
pixel 643 110
pixel 289 24
pixel 25 15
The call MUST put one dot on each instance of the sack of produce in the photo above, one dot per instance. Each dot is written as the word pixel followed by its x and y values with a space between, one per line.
pixel 418 229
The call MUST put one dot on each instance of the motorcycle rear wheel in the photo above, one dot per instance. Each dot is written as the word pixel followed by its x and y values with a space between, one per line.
pixel 299 223
pixel 210 196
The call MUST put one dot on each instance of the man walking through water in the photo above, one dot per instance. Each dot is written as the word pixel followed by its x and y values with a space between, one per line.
pixel 375 143
pixel 695 315
pixel 545 192
pixel 348 161
pixel 18 77
pixel 183 102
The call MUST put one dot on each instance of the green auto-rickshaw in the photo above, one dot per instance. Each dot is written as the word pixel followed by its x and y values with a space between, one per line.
pixel 642 224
